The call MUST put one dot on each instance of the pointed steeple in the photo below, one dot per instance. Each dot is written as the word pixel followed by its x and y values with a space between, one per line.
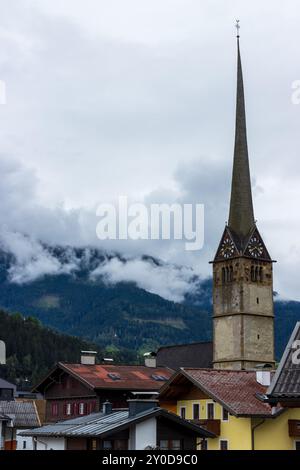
pixel 241 216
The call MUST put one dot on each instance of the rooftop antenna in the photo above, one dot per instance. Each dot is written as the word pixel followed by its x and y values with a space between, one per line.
pixel 237 25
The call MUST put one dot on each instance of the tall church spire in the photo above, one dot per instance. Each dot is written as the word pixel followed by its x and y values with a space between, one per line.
pixel 243 317
pixel 241 216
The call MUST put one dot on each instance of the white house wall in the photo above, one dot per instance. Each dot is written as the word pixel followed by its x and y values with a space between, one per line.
pixel 21 440
pixel 50 443
pixel 145 434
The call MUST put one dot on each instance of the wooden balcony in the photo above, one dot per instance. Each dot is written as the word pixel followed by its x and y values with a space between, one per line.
pixel 294 428
pixel 212 425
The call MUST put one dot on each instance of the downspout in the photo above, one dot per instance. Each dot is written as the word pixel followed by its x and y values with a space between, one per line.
pixel 253 428
pixel 41 442
pixel 12 439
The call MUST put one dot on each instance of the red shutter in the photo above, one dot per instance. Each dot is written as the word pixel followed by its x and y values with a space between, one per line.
pixel 92 406
pixel 54 409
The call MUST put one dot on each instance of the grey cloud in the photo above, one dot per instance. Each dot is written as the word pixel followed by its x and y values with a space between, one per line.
pixel 142 104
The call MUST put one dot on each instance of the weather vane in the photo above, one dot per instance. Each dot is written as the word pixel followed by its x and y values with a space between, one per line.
pixel 237 25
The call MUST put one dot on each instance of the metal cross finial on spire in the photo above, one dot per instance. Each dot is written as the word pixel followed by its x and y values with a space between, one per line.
pixel 237 25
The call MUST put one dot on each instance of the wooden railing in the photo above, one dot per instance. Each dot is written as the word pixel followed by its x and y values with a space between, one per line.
pixel 212 425
pixel 294 428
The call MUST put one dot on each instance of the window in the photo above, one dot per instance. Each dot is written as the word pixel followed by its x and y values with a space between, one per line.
pixel 223 445
pixel 107 445
pixel 227 274
pixel 225 415
pixel 175 444
pixel 164 445
pixel 24 445
pixel 203 445
pixel 159 378
pixel 297 445
pixel 120 444
pixel 94 444
pixel 171 444
pixel 114 376
pixel 69 409
pixel 54 409
pixel 183 412
pixel 82 408
pixel 210 411
pixel 196 411
pixel 257 274
pixel 92 406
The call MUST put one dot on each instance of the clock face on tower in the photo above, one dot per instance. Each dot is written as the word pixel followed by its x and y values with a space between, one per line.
pixel 227 248
pixel 255 247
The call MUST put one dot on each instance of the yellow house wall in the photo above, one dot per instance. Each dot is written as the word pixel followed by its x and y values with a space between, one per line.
pixel 237 431
pixel 273 434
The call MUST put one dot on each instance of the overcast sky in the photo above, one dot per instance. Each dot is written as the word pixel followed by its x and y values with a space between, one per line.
pixel 136 98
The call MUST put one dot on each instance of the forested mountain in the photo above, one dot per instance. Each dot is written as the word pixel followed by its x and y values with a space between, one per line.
pixel 120 316
pixel 33 349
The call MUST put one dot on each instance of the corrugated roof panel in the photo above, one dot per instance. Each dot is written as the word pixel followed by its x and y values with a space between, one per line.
pixel 286 382
pixel 23 413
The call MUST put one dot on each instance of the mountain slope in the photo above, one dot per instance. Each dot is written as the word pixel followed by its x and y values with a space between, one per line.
pixel 121 315
pixel 33 349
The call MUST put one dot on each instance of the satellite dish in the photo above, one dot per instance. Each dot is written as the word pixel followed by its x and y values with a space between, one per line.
pixel 2 353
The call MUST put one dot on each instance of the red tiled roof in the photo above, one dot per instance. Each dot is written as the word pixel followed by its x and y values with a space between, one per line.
pixel 131 377
pixel 235 389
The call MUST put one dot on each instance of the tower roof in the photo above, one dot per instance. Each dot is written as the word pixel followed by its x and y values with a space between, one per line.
pixel 241 216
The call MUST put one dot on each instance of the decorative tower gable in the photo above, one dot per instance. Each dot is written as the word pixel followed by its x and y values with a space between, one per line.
pixel 227 248
pixel 255 247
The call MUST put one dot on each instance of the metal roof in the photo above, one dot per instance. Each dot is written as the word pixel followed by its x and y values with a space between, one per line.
pixel 195 355
pixel 237 390
pixel 97 424
pixel 5 384
pixel 23 414
pixel 286 381
pixel 103 376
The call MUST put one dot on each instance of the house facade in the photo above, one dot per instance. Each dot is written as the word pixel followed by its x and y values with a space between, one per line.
pixel 143 425
pixel 14 417
pixel 7 390
pixel 74 390
pixel 233 405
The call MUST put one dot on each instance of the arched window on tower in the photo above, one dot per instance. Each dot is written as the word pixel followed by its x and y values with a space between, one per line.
pixel 231 273
pixel 223 276
pixel 257 273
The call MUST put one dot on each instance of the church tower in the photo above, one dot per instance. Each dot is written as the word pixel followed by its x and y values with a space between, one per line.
pixel 243 317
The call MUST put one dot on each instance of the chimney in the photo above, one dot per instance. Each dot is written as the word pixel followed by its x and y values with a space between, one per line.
pixel 138 405
pixel 150 359
pixel 108 360
pixel 88 358
pixel 2 353
pixel 107 408
pixel 263 377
